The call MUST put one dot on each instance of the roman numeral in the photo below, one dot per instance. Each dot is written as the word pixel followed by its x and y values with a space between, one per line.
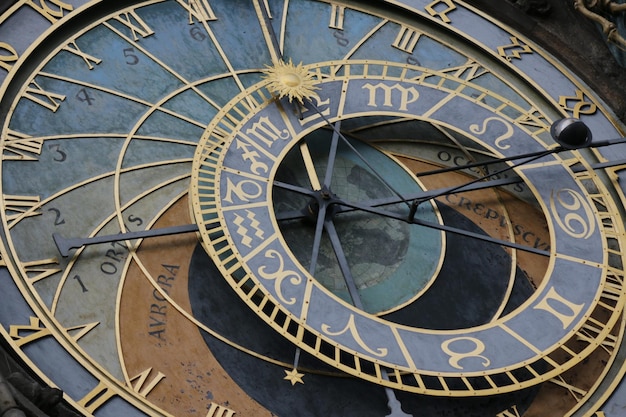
pixel 407 39
pixel 337 15
pixel 89 59
pixel 567 311
pixel 591 331
pixel 23 334
pixel 576 392
pixel 136 25
pixel 19 207
pixel 535 120
pixel 198 9
pixel 468 71
pixel 40 269
pixel 612 291
pixel 52 14
pixel 448 6
pixel 143 388
pixel 8 56
pixel 577 104
pixel 42 97
pixel 21 147
pixel 514 50
pixel 97 397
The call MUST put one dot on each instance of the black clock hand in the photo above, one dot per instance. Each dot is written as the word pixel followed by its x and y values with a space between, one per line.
pixel 337 132
pixel 329 226
pixel 64 245
pixel 322 197
pixel 454 189
pixel 299 214
pixel 317 240
pixel 450 229
pixel 332 154
pixel 569 133
pixel 392 401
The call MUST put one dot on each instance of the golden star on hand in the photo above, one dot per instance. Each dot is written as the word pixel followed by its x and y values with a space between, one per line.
pixel 294 377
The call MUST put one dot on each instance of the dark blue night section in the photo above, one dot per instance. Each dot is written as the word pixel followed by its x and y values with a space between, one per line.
pixel 216 305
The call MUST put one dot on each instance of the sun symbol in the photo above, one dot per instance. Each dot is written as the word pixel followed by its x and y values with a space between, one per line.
pixel 289 80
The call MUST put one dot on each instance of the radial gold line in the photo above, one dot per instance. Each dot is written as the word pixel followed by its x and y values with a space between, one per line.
pixel 467 383
pixel 404 350
pixel 162 64
pixel 264 22
pixel 100 177
pixel 244 206
pixel 528 345
pixel 520 338
pixel 126 97
pixel 578 260
pixel 342 100
pixel 105 135
pixel 259 248
pixel 439 105
pixel 221 52
pixel 97 229
pixel 428 73
pixel 283 25
pixel 491 382
pixel 365 38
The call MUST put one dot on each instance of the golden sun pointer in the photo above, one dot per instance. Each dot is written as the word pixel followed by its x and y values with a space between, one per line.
pixel 289 80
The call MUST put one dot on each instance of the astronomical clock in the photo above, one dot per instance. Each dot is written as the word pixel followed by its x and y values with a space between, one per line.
pixel 225 208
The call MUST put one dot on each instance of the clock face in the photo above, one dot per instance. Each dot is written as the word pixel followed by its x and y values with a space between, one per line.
pixel 302 207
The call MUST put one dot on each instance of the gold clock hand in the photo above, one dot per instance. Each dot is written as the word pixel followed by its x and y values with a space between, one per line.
pixel 268 31
pixel 310 167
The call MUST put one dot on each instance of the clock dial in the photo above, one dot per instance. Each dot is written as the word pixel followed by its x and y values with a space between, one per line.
pixel 231 202
pixel 373 209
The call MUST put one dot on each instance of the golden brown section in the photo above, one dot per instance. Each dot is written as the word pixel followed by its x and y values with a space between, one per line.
pixel 155 335
pixel 563 394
